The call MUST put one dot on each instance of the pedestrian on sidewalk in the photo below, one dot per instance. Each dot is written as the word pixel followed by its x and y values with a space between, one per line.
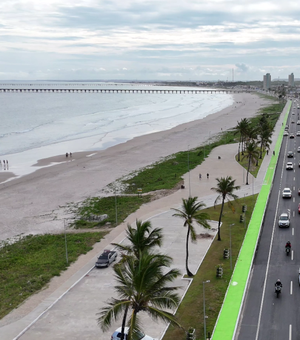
pixel 200 176
pixel 207 175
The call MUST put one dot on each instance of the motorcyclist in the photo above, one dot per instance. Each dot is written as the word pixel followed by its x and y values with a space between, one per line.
pixel 288 245
pixel 278 283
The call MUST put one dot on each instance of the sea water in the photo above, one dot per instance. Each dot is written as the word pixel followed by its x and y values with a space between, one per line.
pixel 41 125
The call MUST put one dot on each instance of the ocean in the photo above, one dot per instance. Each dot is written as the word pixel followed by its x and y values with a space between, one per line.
pixel 41 125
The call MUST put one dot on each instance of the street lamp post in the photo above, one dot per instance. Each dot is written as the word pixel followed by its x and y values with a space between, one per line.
pixel 230 254
pixel 204 314
pixel 66 245
pixel 189 170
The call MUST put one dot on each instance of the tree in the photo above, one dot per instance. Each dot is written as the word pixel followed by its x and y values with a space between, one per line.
pixel 142 285
pixel 242 128
pixel 142 238
pixel 190 213
pixel 252 153
pixel 225 188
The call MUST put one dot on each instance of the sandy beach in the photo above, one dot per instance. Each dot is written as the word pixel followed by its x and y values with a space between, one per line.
pixel 36 203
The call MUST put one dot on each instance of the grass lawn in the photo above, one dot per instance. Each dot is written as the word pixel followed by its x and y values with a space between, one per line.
pixel 190 312
pixel 27 265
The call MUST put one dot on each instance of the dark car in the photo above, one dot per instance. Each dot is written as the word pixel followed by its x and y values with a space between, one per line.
pixel 106 258
pixel 290 154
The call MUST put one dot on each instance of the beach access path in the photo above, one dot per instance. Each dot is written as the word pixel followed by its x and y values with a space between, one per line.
pixel 73 316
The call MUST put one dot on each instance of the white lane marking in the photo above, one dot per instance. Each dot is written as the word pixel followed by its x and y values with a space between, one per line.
pixel 293 213
pixel 293 199
pixel 290 332
pixel 291 288
pixel 293 231
pixel 267 268
pixel 292 255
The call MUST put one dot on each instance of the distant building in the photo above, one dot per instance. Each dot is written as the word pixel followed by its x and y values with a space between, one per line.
pixel 267 82
pixel 291 80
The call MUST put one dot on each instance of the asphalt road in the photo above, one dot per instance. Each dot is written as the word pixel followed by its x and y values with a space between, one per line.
pixel 264 316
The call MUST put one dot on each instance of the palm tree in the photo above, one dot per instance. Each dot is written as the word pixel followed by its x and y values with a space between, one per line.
pixel 265 139
pixel 142 238
pixel 242 128
pixel 190 213
pixel 142 285
pixel 252 153
pixel 225 188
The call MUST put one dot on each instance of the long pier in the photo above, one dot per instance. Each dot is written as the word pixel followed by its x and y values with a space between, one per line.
pixel 119 90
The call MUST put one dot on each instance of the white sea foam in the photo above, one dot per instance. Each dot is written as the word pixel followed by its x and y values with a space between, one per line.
pixel 41 125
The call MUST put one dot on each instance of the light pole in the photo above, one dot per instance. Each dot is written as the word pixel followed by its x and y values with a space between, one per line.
pixel 189 170
pixel 204 314
pixel 66 245
pixel 230 246
pixel 116 208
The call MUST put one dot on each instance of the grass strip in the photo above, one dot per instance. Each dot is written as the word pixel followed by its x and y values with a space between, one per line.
pixel 27 265
pixel 190 311
pixel 116 207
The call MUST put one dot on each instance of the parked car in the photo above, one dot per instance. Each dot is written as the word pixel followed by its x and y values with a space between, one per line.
pixel 289 166
pixel 287 193
pixel 141 336
pixel 290 154
pixel 106 258
pixel 284 220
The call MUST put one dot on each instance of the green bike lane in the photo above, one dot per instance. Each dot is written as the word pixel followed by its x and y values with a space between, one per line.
pixel 228 318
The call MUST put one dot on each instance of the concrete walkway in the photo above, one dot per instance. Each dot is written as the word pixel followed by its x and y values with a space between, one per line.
pixel 67 309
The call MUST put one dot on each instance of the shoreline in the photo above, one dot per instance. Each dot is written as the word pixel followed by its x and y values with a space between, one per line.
pixel 41 197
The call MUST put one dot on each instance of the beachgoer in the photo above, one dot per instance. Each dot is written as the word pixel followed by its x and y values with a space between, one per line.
pixel 70 154
pixel 4 167
pixel 0 164
pixel 6 164
pixel 67 154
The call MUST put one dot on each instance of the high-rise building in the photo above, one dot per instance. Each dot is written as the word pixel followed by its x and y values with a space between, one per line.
pixel 291 80
pixel 267 81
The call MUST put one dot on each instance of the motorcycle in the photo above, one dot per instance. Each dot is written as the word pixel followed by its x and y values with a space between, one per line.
pixel 287 250
pixel 277 290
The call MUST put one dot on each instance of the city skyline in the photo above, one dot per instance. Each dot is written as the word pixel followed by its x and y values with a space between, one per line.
pixel 149 40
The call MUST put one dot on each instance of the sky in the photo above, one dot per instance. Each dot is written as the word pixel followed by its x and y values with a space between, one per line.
pixel 138 40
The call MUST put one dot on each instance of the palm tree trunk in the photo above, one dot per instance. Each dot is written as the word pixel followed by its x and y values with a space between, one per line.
pixel 220 219
pixel 124 323
pixel 247 183
pixel 239 149
pixel 187 253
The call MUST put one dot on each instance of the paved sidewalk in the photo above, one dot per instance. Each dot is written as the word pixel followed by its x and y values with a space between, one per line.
pixel 43 313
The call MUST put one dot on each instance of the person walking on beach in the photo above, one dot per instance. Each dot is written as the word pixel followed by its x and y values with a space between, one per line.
pixel 6 164
pixel 0 165
pixel 4 167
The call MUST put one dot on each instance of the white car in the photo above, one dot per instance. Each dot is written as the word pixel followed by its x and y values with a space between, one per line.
pixel 289 166
pixel 298 150
pixel 285 133
pixel 117 335
pixel 298 122
pixel 284 220
pixel 287 193
pixel 298 133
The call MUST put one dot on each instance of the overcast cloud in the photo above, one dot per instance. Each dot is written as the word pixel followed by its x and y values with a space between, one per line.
pixel 149 39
